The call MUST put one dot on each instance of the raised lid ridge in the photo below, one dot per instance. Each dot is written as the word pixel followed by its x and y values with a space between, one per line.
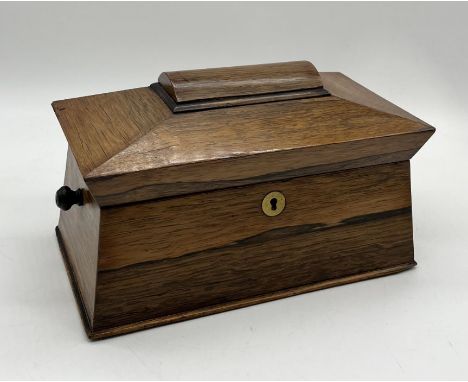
pixel 200 89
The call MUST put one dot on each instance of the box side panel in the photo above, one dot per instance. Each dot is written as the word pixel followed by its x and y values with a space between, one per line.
pixel 176 255
pixel 79 231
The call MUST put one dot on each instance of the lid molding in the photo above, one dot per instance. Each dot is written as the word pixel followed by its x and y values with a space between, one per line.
pixel 202 89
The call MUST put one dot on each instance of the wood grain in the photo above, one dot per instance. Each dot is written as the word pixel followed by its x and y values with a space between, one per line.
pixel 195 152
pixel 344 87
pixel 130 147
pixel 173 227
pixel 79 228
pixel 334 225
pixel 99 126
pixel 96 334
pixel 202 84
pixel 264 264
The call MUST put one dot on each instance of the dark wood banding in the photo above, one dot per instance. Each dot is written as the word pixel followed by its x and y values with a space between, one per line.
pixel 142 232
pixel 96 334
pixel 268 263
pixel 168 257
pixel 166 219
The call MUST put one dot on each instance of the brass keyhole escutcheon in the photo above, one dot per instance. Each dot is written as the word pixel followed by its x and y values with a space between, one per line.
pixel 273 203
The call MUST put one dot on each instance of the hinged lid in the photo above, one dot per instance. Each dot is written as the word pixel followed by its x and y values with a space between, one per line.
pixel 215 128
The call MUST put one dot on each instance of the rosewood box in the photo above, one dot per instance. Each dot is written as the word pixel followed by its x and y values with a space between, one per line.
pixel 220 188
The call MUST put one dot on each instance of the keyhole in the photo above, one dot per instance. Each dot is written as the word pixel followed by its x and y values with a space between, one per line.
pixel 273 203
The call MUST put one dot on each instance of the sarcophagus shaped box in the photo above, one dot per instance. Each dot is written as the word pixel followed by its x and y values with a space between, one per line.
pixel 220 188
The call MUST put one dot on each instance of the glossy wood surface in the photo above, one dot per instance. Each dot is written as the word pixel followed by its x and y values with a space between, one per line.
pixel 172 225
pixel 195 152
pixel 175 227
pixel 167 257
pixel 130 147
pixel 344 87
pixel 116 330
pixel 100 126
pixel 202 84
pixel 229 305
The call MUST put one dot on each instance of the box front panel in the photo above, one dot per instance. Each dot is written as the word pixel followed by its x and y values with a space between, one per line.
pixel 176 255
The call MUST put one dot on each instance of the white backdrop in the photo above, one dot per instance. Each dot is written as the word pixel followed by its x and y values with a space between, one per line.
pixel 409 326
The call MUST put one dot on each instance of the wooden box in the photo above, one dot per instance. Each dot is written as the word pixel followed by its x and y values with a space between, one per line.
pixel 220 188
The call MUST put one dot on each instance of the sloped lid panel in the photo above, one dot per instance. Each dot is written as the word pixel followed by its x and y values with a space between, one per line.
pixel 130 147
pixel 100 126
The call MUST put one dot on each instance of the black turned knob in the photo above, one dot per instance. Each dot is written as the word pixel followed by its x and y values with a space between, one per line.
pixel 65 197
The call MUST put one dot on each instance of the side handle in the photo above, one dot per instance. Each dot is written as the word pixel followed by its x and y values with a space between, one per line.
pixel 65 197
